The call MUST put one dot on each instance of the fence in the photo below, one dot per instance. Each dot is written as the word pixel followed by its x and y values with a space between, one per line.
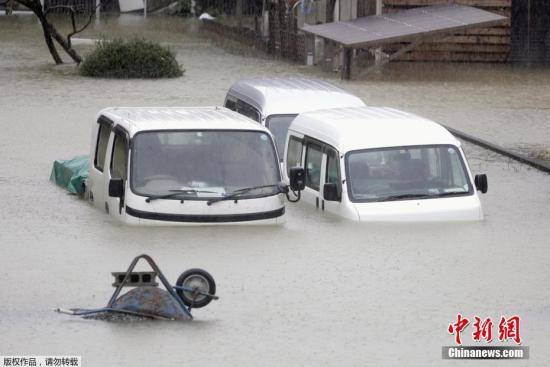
pixel 230 7
pixel 239 34
pixel 60 6
pixel 284 38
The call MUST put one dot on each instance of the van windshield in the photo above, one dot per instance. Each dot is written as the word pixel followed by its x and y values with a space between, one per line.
pixel 404 173
pixel 203 164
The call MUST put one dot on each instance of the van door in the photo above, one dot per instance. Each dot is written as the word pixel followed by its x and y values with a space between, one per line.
pixel 96 181
pixel 332 175
pixel 118 168
pixel 314 171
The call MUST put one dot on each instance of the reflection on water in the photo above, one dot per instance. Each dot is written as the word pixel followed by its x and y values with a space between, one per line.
pixel 318 290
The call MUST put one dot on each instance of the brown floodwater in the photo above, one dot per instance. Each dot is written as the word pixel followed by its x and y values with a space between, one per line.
pixel 317 291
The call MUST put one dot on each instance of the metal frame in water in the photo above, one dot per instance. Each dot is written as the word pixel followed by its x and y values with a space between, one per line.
pixel 184 296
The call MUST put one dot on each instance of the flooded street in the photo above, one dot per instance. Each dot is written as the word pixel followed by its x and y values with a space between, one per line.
pixel 317 291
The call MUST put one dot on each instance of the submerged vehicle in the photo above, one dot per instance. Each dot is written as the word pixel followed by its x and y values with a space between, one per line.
pixel 184 165
pixel 275 102
pixel 382 164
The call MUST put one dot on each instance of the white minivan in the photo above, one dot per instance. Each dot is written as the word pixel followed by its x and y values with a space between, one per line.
pixel 275 102
pixel 184 165
pixel 381 164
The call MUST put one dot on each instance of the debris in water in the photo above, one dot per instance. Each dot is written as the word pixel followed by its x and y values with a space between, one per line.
pixel 195 288
pixel 206 16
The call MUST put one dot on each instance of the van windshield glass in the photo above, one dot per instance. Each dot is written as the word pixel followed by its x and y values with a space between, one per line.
pixel 403 173
pixel 203 164
pixel 278 125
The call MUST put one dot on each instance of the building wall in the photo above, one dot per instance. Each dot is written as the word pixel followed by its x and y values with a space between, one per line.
pixel 479 45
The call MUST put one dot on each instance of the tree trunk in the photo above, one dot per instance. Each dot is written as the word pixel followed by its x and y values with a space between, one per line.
pixel 63 42
pixel 49 42
pixel 49 32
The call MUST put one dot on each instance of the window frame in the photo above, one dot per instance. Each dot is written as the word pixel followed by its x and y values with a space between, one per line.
pixel 308 143
pixel 267 123
pixel 337 158
pixel 301 141
pixel 239 103
pixel 117 134
pixel 231 100
pixel 470 191
pixel 104 123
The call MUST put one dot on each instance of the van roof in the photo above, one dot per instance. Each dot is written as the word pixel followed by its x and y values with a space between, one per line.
pixel 370 127
pixel 292 95
pixel 135 119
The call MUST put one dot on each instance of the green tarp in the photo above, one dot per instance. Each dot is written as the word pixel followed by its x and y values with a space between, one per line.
pixel 71 174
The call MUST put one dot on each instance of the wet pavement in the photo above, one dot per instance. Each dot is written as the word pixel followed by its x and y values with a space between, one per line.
pixel 317 291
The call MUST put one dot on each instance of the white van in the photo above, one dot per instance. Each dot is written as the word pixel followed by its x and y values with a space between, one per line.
pixel 381 164
pixel 275 102
pixel 184 165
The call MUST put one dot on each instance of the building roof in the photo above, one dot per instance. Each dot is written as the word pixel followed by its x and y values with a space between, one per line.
pixel 405 25
pixel 135 119
pixel 370 127
pixel 292 95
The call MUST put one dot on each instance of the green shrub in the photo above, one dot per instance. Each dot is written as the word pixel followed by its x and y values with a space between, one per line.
pixel 136 58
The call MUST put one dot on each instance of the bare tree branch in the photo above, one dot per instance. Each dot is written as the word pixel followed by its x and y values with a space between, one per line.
pixel 73 12
pixel 36 8
pixel 51 33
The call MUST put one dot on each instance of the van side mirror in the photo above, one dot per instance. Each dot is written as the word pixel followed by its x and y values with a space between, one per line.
pixel 331 192
pixel 481 183
pixel 116 188
pixel 297 177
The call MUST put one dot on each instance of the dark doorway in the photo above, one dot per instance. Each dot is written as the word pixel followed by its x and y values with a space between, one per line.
pixel 530 38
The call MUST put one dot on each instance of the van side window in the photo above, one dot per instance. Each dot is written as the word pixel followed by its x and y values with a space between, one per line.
pixel 294 155
pixel 232 105
pixel 101 146
pixel 119 158
pixel 314 155
pixel 247 110
pixel 333 172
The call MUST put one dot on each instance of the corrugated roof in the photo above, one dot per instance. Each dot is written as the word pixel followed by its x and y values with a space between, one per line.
pixel 405 25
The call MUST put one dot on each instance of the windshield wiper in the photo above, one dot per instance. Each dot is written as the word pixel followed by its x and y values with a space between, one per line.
pixel 281 186
pixel 174 193
pixel 406 196
pixel 449 193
